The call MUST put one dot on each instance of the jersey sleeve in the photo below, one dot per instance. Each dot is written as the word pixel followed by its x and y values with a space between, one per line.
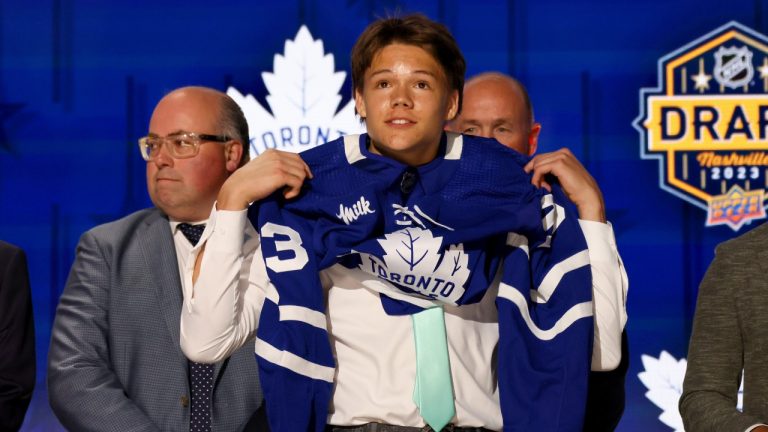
pixel 296 365
pixel 545 323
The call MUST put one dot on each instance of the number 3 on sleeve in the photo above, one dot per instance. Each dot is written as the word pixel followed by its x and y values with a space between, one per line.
pixel 293 243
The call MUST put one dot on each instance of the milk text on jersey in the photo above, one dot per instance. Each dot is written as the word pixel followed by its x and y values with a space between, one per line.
pixel 350 214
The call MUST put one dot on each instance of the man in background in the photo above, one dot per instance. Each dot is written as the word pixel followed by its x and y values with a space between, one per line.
pixel 498 106
pixel 730 341
pixel 17 338
pixel 115 363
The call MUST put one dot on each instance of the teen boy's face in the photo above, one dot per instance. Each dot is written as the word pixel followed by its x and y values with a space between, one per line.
pixel 405 101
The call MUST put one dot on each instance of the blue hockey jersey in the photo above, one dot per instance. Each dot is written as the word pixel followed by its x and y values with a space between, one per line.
pixel 438 233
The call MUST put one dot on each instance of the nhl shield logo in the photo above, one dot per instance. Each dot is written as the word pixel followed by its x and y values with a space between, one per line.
pixel 707 124
pixel 733 66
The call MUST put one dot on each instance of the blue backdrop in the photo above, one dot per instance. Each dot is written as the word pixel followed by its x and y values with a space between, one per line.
pixel 79 78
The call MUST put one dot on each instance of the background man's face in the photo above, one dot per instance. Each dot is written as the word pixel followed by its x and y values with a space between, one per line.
pixel 185 189
pixel 495 108
pixel 405 101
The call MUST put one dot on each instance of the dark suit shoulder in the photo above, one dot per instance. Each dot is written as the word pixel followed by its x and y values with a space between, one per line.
pixel 8 251
pixel 12 261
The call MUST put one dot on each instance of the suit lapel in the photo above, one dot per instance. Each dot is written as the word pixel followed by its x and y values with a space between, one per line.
pixel 158 247
pixel 160 250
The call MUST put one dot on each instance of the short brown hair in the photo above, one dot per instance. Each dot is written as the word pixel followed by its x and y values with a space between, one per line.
pixel 416 30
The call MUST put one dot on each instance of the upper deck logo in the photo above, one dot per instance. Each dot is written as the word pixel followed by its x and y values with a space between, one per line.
pixel 303 98
pixel 707 124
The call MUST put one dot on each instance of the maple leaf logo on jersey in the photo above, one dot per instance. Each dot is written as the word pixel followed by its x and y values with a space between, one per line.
pixel 303 97
pixel 415 259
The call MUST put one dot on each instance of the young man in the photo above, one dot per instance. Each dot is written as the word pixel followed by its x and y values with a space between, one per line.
pixel 407 226
pixel 497 106
pixel 114 363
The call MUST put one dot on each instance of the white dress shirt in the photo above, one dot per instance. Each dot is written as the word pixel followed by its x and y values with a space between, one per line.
pixel 374 351
pixel 184 253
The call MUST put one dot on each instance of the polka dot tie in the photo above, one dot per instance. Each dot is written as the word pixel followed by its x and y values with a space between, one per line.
pixel 200 375
pixel 201 381
pixel 192 232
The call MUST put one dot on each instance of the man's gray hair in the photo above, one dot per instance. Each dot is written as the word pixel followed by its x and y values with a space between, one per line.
pixel 233 124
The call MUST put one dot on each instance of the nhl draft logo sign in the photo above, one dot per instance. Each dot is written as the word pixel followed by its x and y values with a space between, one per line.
pixel 303 98
pixel 707 124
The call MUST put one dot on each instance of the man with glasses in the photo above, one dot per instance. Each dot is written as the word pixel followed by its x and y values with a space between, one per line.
pixel 115 363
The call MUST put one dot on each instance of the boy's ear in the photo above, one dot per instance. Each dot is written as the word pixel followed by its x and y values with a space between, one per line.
pixel 360 104
pixel 453 105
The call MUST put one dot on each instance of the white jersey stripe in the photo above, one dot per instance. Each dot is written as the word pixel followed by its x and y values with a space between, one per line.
pixel 454 146
pixel 577 312
pixel 352 148
pixel 303 314
pixel 551 281
pixel 293 362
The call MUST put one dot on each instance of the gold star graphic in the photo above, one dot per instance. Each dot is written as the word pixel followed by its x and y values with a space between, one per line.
pixel 702 81
pixel 764 68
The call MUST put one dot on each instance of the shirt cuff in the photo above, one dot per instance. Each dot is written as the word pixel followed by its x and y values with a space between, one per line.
pixel 600 240
pixel 227 228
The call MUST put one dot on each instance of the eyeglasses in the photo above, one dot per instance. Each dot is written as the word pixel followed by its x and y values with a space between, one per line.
pixel 180 146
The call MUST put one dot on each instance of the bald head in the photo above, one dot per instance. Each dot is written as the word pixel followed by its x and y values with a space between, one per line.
pixel 226 112
pixel 497 106
pixel 186 187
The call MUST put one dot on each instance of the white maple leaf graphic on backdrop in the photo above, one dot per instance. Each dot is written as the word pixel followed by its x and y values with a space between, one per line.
pixel 663 377
pixel 303 97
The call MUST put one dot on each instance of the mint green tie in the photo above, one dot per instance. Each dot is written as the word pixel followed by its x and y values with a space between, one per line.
pixel 433 391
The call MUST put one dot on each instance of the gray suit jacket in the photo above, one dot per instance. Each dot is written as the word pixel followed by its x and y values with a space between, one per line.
pixel 730 333
pixel 115 363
